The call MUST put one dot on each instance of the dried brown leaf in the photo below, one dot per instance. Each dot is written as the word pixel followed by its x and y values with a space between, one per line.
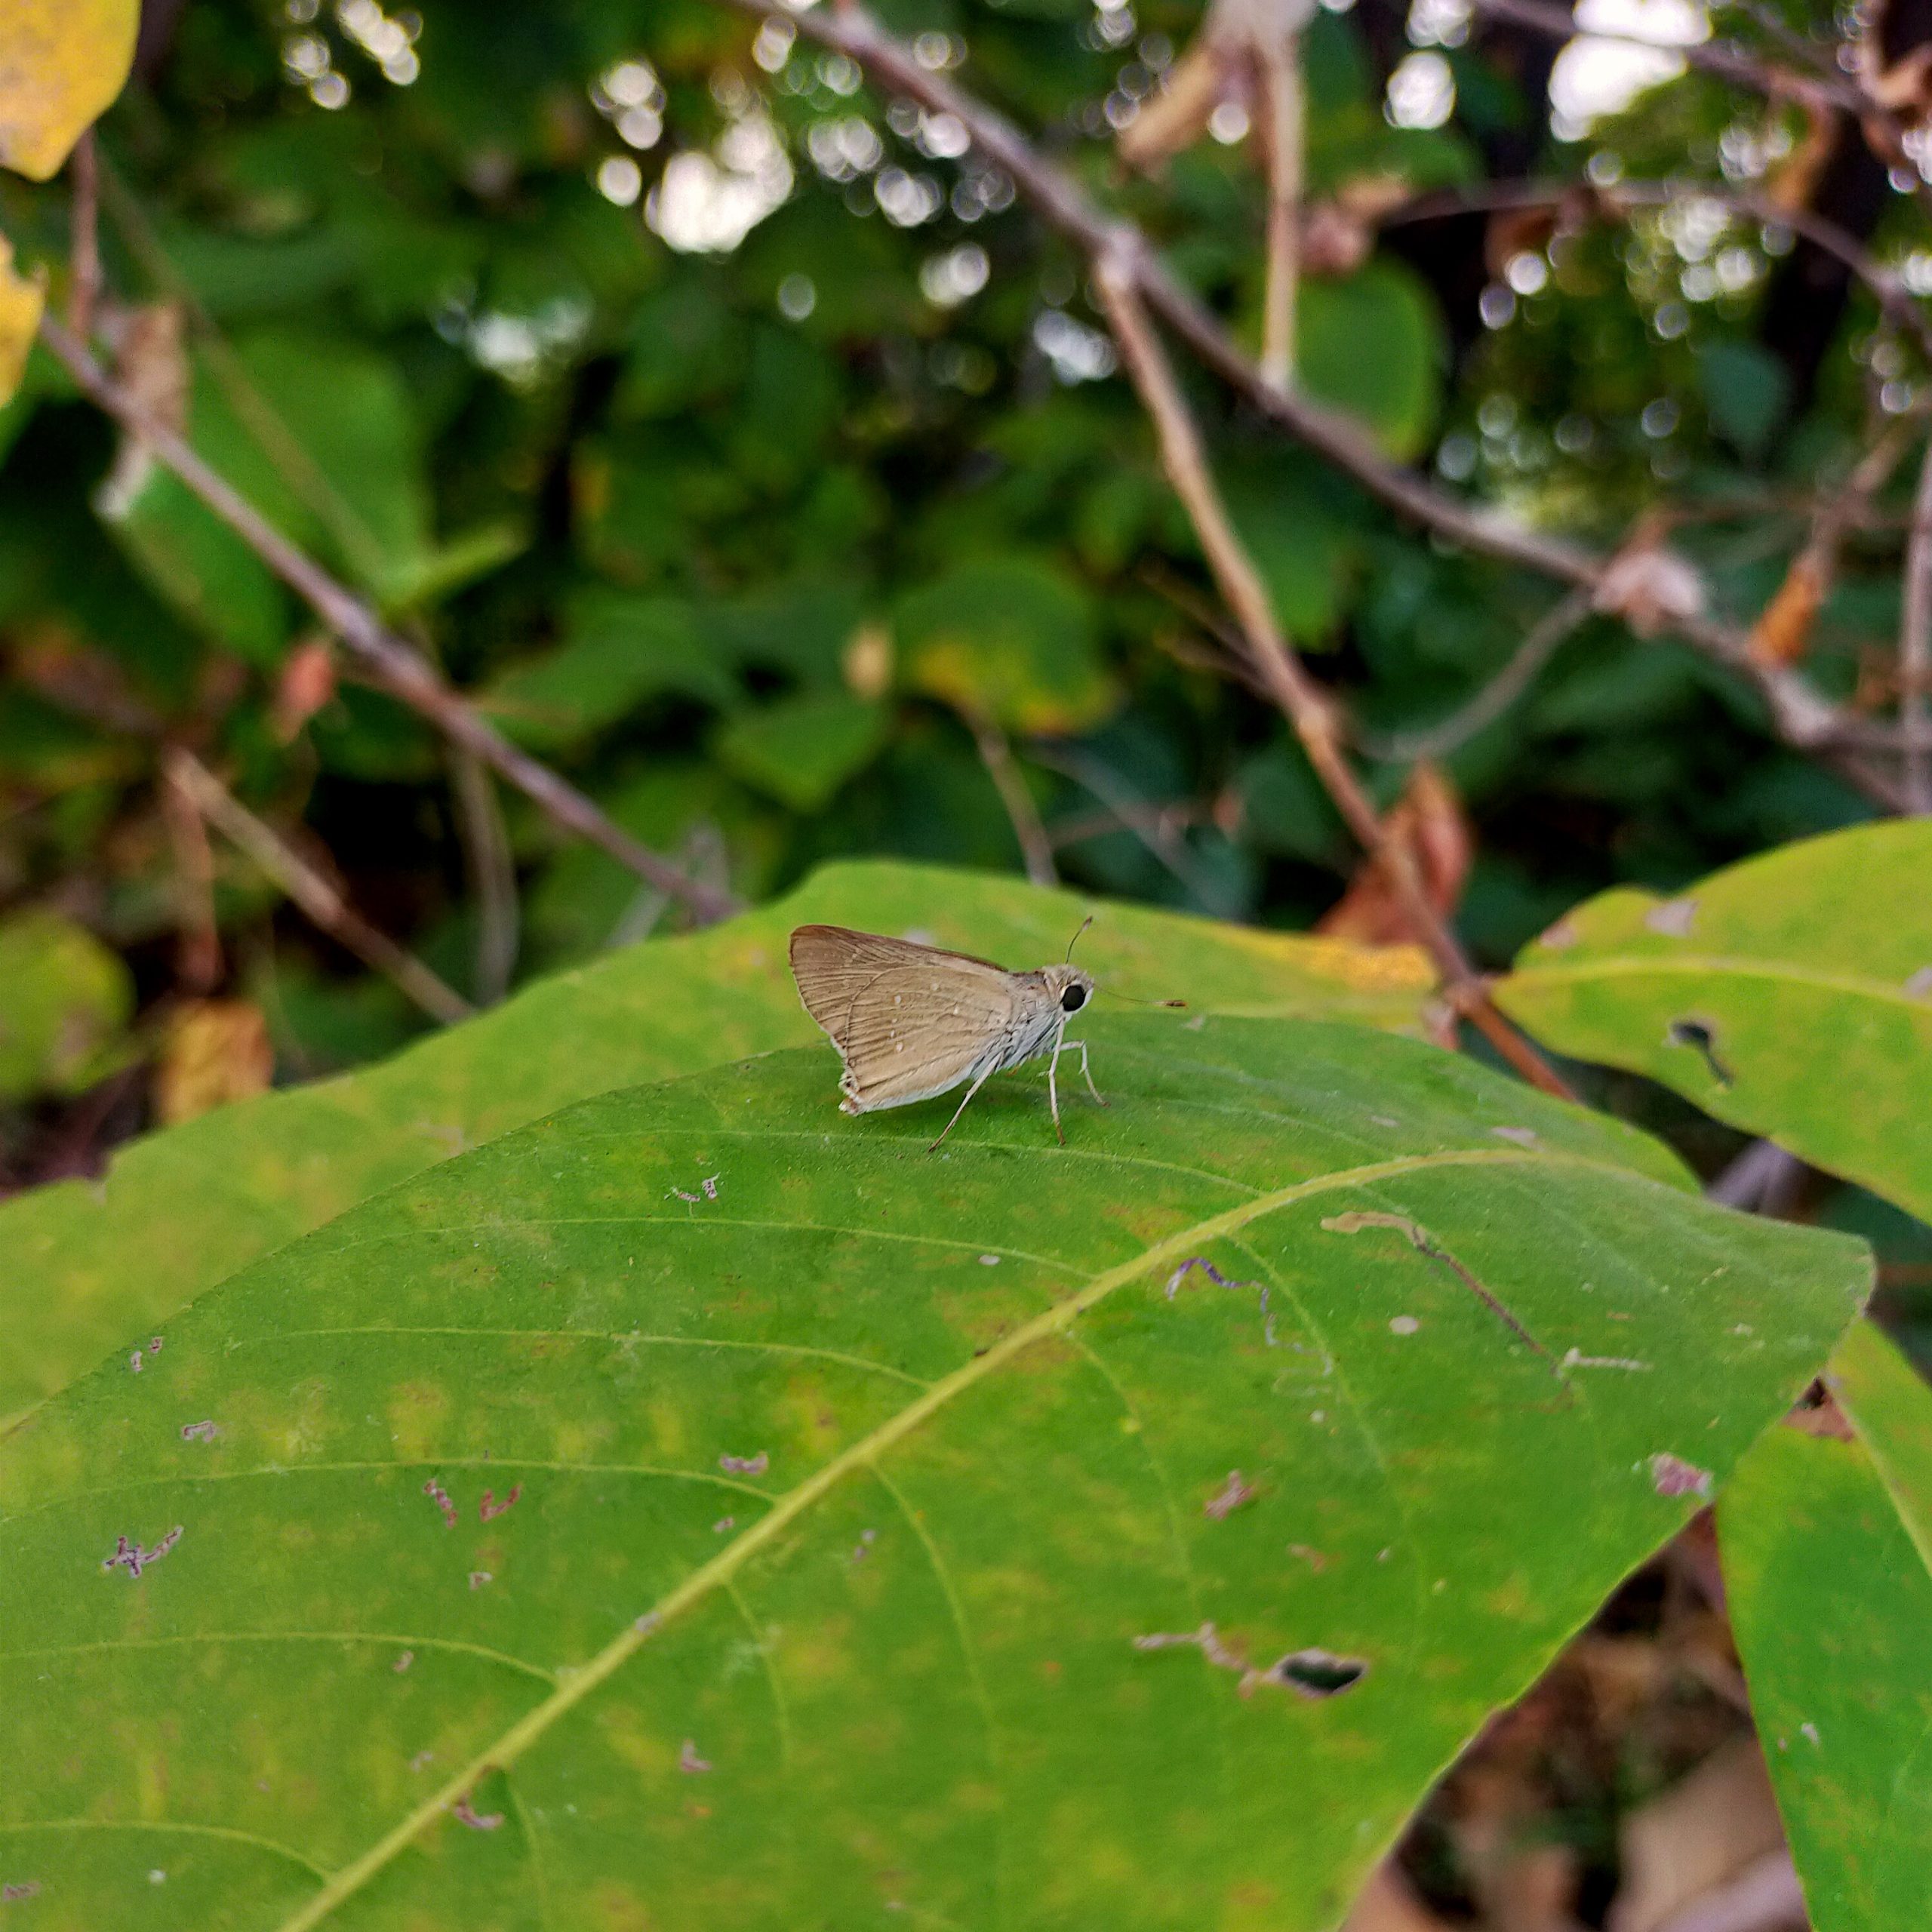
pixel 1428 821
pixel 306 684
pixel 1782 633
pixel 216 1051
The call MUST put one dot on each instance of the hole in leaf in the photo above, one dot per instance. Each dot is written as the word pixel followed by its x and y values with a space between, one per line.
pixel 1700 1038
pixel 1318 1673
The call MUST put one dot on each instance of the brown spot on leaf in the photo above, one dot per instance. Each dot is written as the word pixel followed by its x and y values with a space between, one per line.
pixel 490 1507
pixel 744 1466
pixel 689 1762
pixel 1229 1497
pixel 1671 1475
pixel 466 1813
pixel 440 1496
pixel 1672 918
pixel 130 1557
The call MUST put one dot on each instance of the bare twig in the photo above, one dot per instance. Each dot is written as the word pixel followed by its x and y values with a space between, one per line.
pixel 1883 132
pixel 83 250
pixel 703 854
pixel 1306 706
pixel 1157 830
pixel 1495 698
pixel 345 523
pixel 1783 628
pixel 198 948
pixel 1915 648
pixel 1800 716
pixel 1287 139
pixel 1715 56
pixel 1624 197
pixel 387 660
pixel 486 847
pixel 317 898
pixel 1036 849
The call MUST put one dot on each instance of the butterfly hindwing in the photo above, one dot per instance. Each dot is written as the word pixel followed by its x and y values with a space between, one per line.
pixel 910 1021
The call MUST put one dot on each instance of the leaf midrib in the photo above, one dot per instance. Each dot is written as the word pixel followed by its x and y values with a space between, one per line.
pixel 1674 966
pixel 721 1569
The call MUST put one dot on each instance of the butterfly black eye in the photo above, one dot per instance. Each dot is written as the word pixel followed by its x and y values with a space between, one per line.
pixel 1073 999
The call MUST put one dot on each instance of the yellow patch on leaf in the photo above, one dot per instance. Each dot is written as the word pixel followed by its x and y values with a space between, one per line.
pixel 20 299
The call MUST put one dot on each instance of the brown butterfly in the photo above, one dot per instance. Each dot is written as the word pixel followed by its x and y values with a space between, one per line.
pixel 911 1021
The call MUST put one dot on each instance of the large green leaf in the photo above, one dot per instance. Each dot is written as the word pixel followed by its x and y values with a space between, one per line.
pixel 1791 995
pixel 86 1266
pixel 1828 1559
pixel 699 1509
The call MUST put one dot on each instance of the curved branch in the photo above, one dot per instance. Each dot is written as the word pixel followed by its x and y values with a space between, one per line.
pixel 390 661
pixel 1800 715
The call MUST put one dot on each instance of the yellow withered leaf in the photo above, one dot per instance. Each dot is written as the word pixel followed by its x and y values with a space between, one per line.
pixel 20 298
pixel 62 62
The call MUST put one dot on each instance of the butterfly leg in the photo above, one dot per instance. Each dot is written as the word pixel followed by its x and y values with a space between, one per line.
pixel 1053 1088
pixel 1086 1076
pixel 960 1109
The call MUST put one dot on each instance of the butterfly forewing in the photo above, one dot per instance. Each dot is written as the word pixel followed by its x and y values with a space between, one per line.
pixel 910 1021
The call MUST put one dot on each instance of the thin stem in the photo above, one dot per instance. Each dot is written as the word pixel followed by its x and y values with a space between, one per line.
pixel 1305 705
pixel 1623 198
pixel 1287 134
pixel 198 947
pixel 1799 715
pixel 1036 849
pixel 389 660
pixel 1915 648
pixel 84 251
pixel 318 899
pixel 1494 699
pixel 1883 132
pixel 1156 829
pixel 486 847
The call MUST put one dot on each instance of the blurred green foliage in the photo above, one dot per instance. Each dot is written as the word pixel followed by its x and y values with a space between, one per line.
pixel 743 445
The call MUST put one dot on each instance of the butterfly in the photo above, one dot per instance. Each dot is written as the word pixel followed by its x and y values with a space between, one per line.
pixel 911 1021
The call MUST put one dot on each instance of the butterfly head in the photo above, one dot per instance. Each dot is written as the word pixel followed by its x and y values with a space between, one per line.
pixel 1069 987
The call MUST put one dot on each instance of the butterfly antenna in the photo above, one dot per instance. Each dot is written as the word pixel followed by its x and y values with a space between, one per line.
pixel 1133 1001
pixel 1071 943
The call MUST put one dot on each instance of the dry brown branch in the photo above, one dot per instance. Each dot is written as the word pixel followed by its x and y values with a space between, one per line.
pixel 486 847
pixel 1287 140
pixel 1036 849
pixel 1576 200
pixel 1875 115
pixel 197 945
pixel 317 898
pixel 84 251
pixel 1800 715
pixel 1915 648
pixel 1305 705
pixel 388 660
pixel 1783 632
